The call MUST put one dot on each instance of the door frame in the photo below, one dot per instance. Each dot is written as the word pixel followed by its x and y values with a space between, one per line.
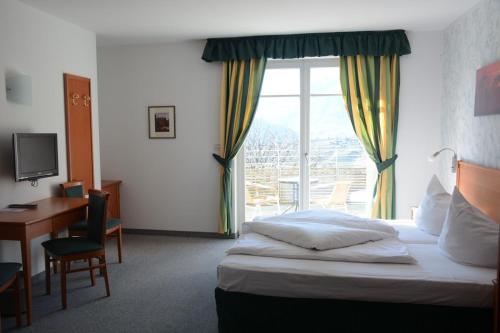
pixel 66 77
pixel 304 66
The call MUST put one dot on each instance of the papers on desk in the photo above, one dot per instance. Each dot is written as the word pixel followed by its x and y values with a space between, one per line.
pixel 12 210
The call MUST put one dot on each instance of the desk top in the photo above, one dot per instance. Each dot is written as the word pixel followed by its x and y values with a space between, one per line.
pixel 46 209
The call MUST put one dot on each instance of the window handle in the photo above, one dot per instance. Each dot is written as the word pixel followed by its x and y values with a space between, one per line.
pixel 306 155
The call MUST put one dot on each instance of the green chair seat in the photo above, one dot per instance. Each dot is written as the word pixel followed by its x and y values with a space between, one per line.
pixel 111 223
pixel 8 270
pixel 70 245
pixel 82 224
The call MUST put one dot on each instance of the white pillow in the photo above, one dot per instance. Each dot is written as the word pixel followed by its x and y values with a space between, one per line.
pixel 469 236
pixel 431 213
pixel 316 236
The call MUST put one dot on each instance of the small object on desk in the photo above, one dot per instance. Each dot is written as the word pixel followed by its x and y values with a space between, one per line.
pixel 28 206
pixel 12 210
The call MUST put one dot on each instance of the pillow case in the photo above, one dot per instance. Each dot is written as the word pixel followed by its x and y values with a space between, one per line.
pixel 431 213
pixel 469 237
pixel 316 236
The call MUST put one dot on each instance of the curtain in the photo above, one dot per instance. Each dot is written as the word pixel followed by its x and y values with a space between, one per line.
pixel 240 89
pixel 370 87
pixel 375 43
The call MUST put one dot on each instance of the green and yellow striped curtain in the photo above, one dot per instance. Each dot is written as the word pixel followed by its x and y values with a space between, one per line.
pixel 370 87
pixel 240 89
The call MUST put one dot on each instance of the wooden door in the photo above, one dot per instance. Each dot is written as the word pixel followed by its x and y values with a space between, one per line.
pixel 78 104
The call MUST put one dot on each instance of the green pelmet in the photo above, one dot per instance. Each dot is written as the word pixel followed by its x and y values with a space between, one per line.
pixel 374 43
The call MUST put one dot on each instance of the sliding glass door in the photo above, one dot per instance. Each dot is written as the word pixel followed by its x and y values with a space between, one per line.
pixel 301 151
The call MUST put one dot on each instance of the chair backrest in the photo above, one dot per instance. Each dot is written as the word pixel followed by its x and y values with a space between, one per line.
pixel 96 220
pixel 72 189
pixel 8 271
pixel 340 193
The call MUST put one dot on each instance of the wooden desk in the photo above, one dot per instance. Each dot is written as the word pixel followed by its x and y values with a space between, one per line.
pixel 51 216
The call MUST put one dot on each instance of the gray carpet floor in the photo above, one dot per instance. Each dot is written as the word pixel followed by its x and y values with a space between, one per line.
pixel 165 284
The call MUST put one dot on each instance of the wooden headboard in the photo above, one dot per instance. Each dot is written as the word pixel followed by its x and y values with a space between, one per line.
pixel 481 187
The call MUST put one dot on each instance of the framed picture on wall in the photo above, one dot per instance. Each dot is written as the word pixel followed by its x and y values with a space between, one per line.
pixel 488 90
pixel 161 122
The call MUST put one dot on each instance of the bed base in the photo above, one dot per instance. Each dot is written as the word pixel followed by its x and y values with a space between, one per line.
pixel 240 312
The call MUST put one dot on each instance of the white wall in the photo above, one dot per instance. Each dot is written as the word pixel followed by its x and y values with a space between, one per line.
pixel 174 184
pixel 168 184
pixel 470 43
pixel 43 47
pixel 419 118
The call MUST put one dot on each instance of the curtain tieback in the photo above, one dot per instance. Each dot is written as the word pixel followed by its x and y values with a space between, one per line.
pixel 222 161
pixel 385 164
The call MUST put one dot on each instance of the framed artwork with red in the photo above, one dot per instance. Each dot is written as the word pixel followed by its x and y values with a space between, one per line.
pixel 487 100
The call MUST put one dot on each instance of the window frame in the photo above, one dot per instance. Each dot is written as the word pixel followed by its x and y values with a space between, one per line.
pixel 304 65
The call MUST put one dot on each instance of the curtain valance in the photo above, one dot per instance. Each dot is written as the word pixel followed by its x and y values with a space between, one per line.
pixel 373 43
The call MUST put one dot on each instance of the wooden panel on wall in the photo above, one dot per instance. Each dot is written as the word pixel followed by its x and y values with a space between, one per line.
pixel 78 109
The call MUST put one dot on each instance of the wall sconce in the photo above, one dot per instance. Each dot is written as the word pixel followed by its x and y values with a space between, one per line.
pixel 18 88
pixel 453 158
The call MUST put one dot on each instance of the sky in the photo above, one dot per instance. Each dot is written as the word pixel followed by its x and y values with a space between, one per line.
pixel 328 117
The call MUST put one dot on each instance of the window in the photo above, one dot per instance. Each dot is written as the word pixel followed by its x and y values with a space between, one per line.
pixel 301 151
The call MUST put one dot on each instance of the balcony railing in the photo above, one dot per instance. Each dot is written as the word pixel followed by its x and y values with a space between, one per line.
pixel 339 174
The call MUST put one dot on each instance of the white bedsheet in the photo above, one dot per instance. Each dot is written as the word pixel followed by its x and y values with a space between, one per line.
pixel 409 233
pixel 389 250
pixel 433 280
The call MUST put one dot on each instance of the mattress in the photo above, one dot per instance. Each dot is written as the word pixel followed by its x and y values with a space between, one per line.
pixel 435 279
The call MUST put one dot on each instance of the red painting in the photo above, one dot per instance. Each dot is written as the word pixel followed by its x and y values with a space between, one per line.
pixel 488 90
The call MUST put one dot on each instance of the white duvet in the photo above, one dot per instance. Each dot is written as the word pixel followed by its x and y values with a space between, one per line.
pixel 389 250
pixel 329 216
pixel 322 235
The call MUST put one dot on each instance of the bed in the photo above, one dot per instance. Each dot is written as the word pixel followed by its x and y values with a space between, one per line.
pixel 436 295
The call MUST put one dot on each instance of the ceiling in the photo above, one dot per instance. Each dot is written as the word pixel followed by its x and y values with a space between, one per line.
pixel 153 21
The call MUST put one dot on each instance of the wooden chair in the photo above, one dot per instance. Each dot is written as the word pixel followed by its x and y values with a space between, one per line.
pixel 9 278
pixel 85 248
pixel 74 189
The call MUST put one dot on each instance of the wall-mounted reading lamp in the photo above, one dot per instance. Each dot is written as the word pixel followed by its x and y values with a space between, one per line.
pixel 453 158
pixel 18 88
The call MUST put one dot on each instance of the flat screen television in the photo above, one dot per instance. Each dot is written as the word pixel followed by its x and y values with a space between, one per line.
pixel 35 155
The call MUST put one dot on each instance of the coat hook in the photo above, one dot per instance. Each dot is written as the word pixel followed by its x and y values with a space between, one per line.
pixel 86 100
pixel 74 98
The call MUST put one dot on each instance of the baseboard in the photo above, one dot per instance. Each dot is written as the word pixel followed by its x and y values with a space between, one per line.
pixel 178 233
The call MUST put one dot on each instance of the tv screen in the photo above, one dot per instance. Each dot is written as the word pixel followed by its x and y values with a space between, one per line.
pixel 35 155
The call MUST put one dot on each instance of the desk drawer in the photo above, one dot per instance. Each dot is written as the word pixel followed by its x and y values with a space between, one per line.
pixel 62 221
